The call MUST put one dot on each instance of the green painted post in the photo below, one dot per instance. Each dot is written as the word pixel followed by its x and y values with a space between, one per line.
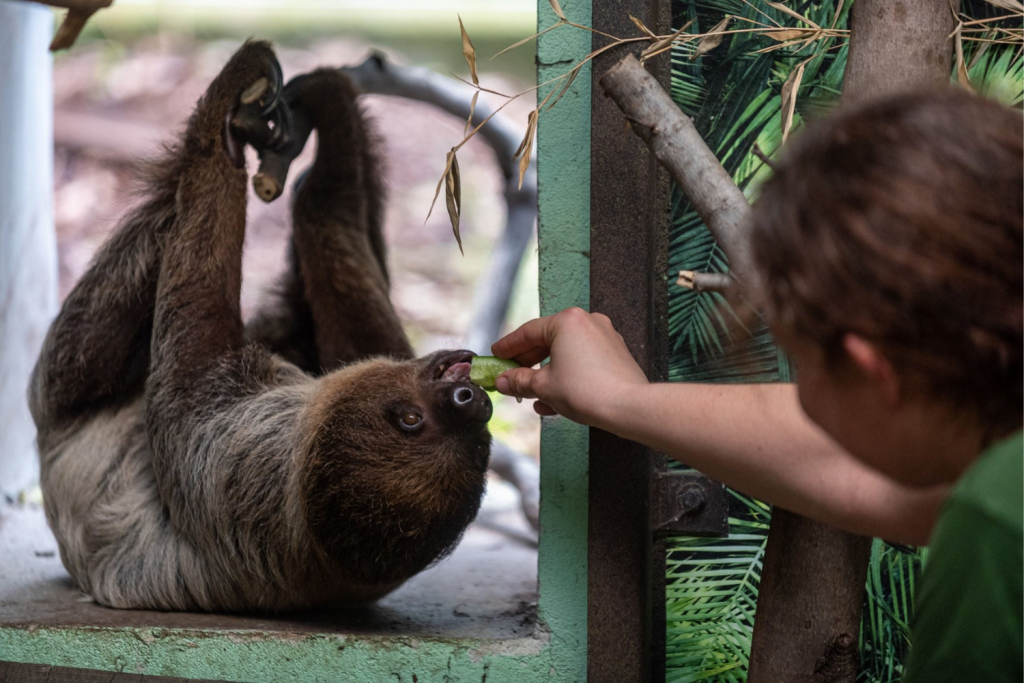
pixel 563 184
pixel 556 651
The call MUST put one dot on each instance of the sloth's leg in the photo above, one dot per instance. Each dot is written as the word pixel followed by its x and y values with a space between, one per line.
pixel 96 352
pixel 284 323
pixel 198 364
pixel 336 291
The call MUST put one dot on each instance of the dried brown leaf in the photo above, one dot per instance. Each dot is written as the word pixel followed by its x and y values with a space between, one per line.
pixel 481 88
pixel 839 13
pixel 453 195
pixel 526 147
pixel 558 10
pixel 962 76
pixel 566 84
pixel 789 92
pixel 784 34
pixel 469 52
pixel 661 45
pixel 712 39
pixel 437 190
pixel 979 53
pixel 640 25
pixel 793 13
pixel 472 108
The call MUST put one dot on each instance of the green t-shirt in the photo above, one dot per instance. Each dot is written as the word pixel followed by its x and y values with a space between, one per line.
pixel 968 620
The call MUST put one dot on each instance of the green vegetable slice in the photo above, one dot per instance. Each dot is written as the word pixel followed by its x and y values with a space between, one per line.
pixel 483 370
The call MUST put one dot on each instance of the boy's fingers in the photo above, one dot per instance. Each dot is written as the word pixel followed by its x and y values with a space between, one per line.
pixel 532 357
pixel 531 336
pixel 516 382
pixel 544 409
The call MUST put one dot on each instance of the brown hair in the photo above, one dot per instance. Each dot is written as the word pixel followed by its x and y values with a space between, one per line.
pixel 901 221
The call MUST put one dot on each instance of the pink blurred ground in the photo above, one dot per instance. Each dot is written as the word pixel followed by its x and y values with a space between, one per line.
pixel 115 105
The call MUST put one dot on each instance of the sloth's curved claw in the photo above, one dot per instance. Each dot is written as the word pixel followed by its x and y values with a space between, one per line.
pixel 264 118
pixel 275 88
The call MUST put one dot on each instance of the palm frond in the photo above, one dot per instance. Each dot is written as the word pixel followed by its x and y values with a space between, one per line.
pixel 712 597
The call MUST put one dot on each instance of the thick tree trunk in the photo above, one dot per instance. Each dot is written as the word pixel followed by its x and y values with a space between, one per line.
pixel 28 251
pixel 812 585
pixel 898 45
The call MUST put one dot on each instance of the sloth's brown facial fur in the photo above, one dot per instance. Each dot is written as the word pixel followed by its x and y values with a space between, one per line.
pixel 397 469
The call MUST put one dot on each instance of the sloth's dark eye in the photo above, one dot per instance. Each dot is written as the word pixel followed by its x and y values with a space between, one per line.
pixel 410 421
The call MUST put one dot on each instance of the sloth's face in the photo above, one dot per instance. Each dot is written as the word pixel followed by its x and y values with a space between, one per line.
pixel 441 404
pixel 398 462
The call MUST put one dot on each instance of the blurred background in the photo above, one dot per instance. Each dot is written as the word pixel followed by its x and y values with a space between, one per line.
pixel 135 73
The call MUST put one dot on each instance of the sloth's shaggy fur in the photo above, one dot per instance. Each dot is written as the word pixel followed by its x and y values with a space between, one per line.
pixel 190 462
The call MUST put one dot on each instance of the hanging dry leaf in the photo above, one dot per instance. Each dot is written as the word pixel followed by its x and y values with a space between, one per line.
pixel 437 190
pixel 566 84
pixel 640 25
pixel 981 50
pixel 712 39
pixel 469 52
pixel 557 9
pixel 793 13
pixel 962 76
pixel 453 195
pixel 789 92
pixel 526 146
pixel 664 43
pixel 472 108
pixel 839 13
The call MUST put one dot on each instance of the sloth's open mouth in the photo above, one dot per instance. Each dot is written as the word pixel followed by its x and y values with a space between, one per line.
pixel 454 368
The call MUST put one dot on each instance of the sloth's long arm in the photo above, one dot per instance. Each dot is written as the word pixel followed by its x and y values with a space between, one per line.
pixel 97 350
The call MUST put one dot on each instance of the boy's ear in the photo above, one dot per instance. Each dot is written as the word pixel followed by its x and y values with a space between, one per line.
pixel 875 366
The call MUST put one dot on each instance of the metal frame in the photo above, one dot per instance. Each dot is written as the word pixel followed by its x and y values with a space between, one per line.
pixel 628 250
pixel 640 501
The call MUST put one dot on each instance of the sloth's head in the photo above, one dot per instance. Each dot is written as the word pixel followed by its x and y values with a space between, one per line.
pixel 396 466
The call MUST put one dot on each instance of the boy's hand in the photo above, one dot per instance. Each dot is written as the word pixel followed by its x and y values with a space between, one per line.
pixel 590 367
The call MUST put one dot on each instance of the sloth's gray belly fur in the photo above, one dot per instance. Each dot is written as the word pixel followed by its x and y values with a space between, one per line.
pixel 236 540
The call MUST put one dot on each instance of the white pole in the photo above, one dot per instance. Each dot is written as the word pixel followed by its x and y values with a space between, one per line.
pixel 28 242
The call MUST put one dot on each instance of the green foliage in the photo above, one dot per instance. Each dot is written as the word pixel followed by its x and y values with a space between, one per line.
pixel 712 595
pixel 885 624
pixel 734 97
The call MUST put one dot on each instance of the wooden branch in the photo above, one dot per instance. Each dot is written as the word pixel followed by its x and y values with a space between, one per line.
pixel 377 75
pixel 678 146
pixel 705 282
pixel 765 159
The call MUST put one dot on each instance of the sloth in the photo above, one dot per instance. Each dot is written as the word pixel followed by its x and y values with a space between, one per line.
pixel 190 461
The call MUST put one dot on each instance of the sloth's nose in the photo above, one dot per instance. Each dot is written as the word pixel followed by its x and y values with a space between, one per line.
pixel 469 403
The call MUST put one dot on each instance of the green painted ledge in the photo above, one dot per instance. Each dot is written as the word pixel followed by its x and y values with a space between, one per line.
pixel 556 651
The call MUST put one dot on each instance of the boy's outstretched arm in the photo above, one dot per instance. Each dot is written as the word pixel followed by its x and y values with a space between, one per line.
pixel 753 437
